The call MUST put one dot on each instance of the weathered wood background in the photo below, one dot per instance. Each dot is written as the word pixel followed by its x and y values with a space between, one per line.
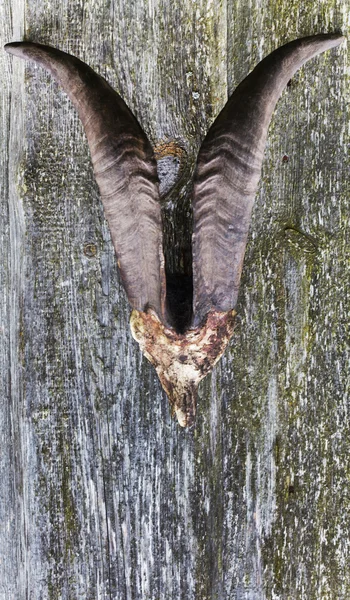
pixel 102 494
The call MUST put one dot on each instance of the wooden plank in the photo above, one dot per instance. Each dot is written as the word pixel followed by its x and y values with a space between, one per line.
pixel 291 376
pixel 13 527
pixel 107 473
pixel 102 494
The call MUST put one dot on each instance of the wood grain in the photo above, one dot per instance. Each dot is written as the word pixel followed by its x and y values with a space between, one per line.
pixel 102 495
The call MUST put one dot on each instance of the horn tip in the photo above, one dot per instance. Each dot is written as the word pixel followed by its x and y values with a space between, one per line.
pixel 338 38
pixel 334 39
pixel 15 48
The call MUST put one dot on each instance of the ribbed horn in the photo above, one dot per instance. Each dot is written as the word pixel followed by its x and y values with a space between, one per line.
pixel 228 171
pixel 124 167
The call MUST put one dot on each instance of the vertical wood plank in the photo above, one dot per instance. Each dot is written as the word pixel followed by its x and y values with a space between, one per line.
pixel 291 360
pixel 108 474
pixel 13 532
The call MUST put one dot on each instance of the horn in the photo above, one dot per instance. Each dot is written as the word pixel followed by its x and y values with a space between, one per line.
pixel 225 183
pixel 125 171
pixel 228 171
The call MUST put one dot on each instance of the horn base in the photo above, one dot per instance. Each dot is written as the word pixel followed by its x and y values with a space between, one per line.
pixel 182 360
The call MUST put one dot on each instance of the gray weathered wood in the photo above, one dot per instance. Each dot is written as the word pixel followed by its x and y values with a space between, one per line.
pixel 102 495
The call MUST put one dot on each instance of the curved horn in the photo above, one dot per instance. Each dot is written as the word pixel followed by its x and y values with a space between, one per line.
pixel 228 170
pixel 124 167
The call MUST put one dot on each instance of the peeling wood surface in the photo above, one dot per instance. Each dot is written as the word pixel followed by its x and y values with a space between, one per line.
pixel 102 494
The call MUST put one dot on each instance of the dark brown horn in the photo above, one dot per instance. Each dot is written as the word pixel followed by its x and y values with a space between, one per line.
pixel 226 179
pixel 124 167
pixel 228 171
